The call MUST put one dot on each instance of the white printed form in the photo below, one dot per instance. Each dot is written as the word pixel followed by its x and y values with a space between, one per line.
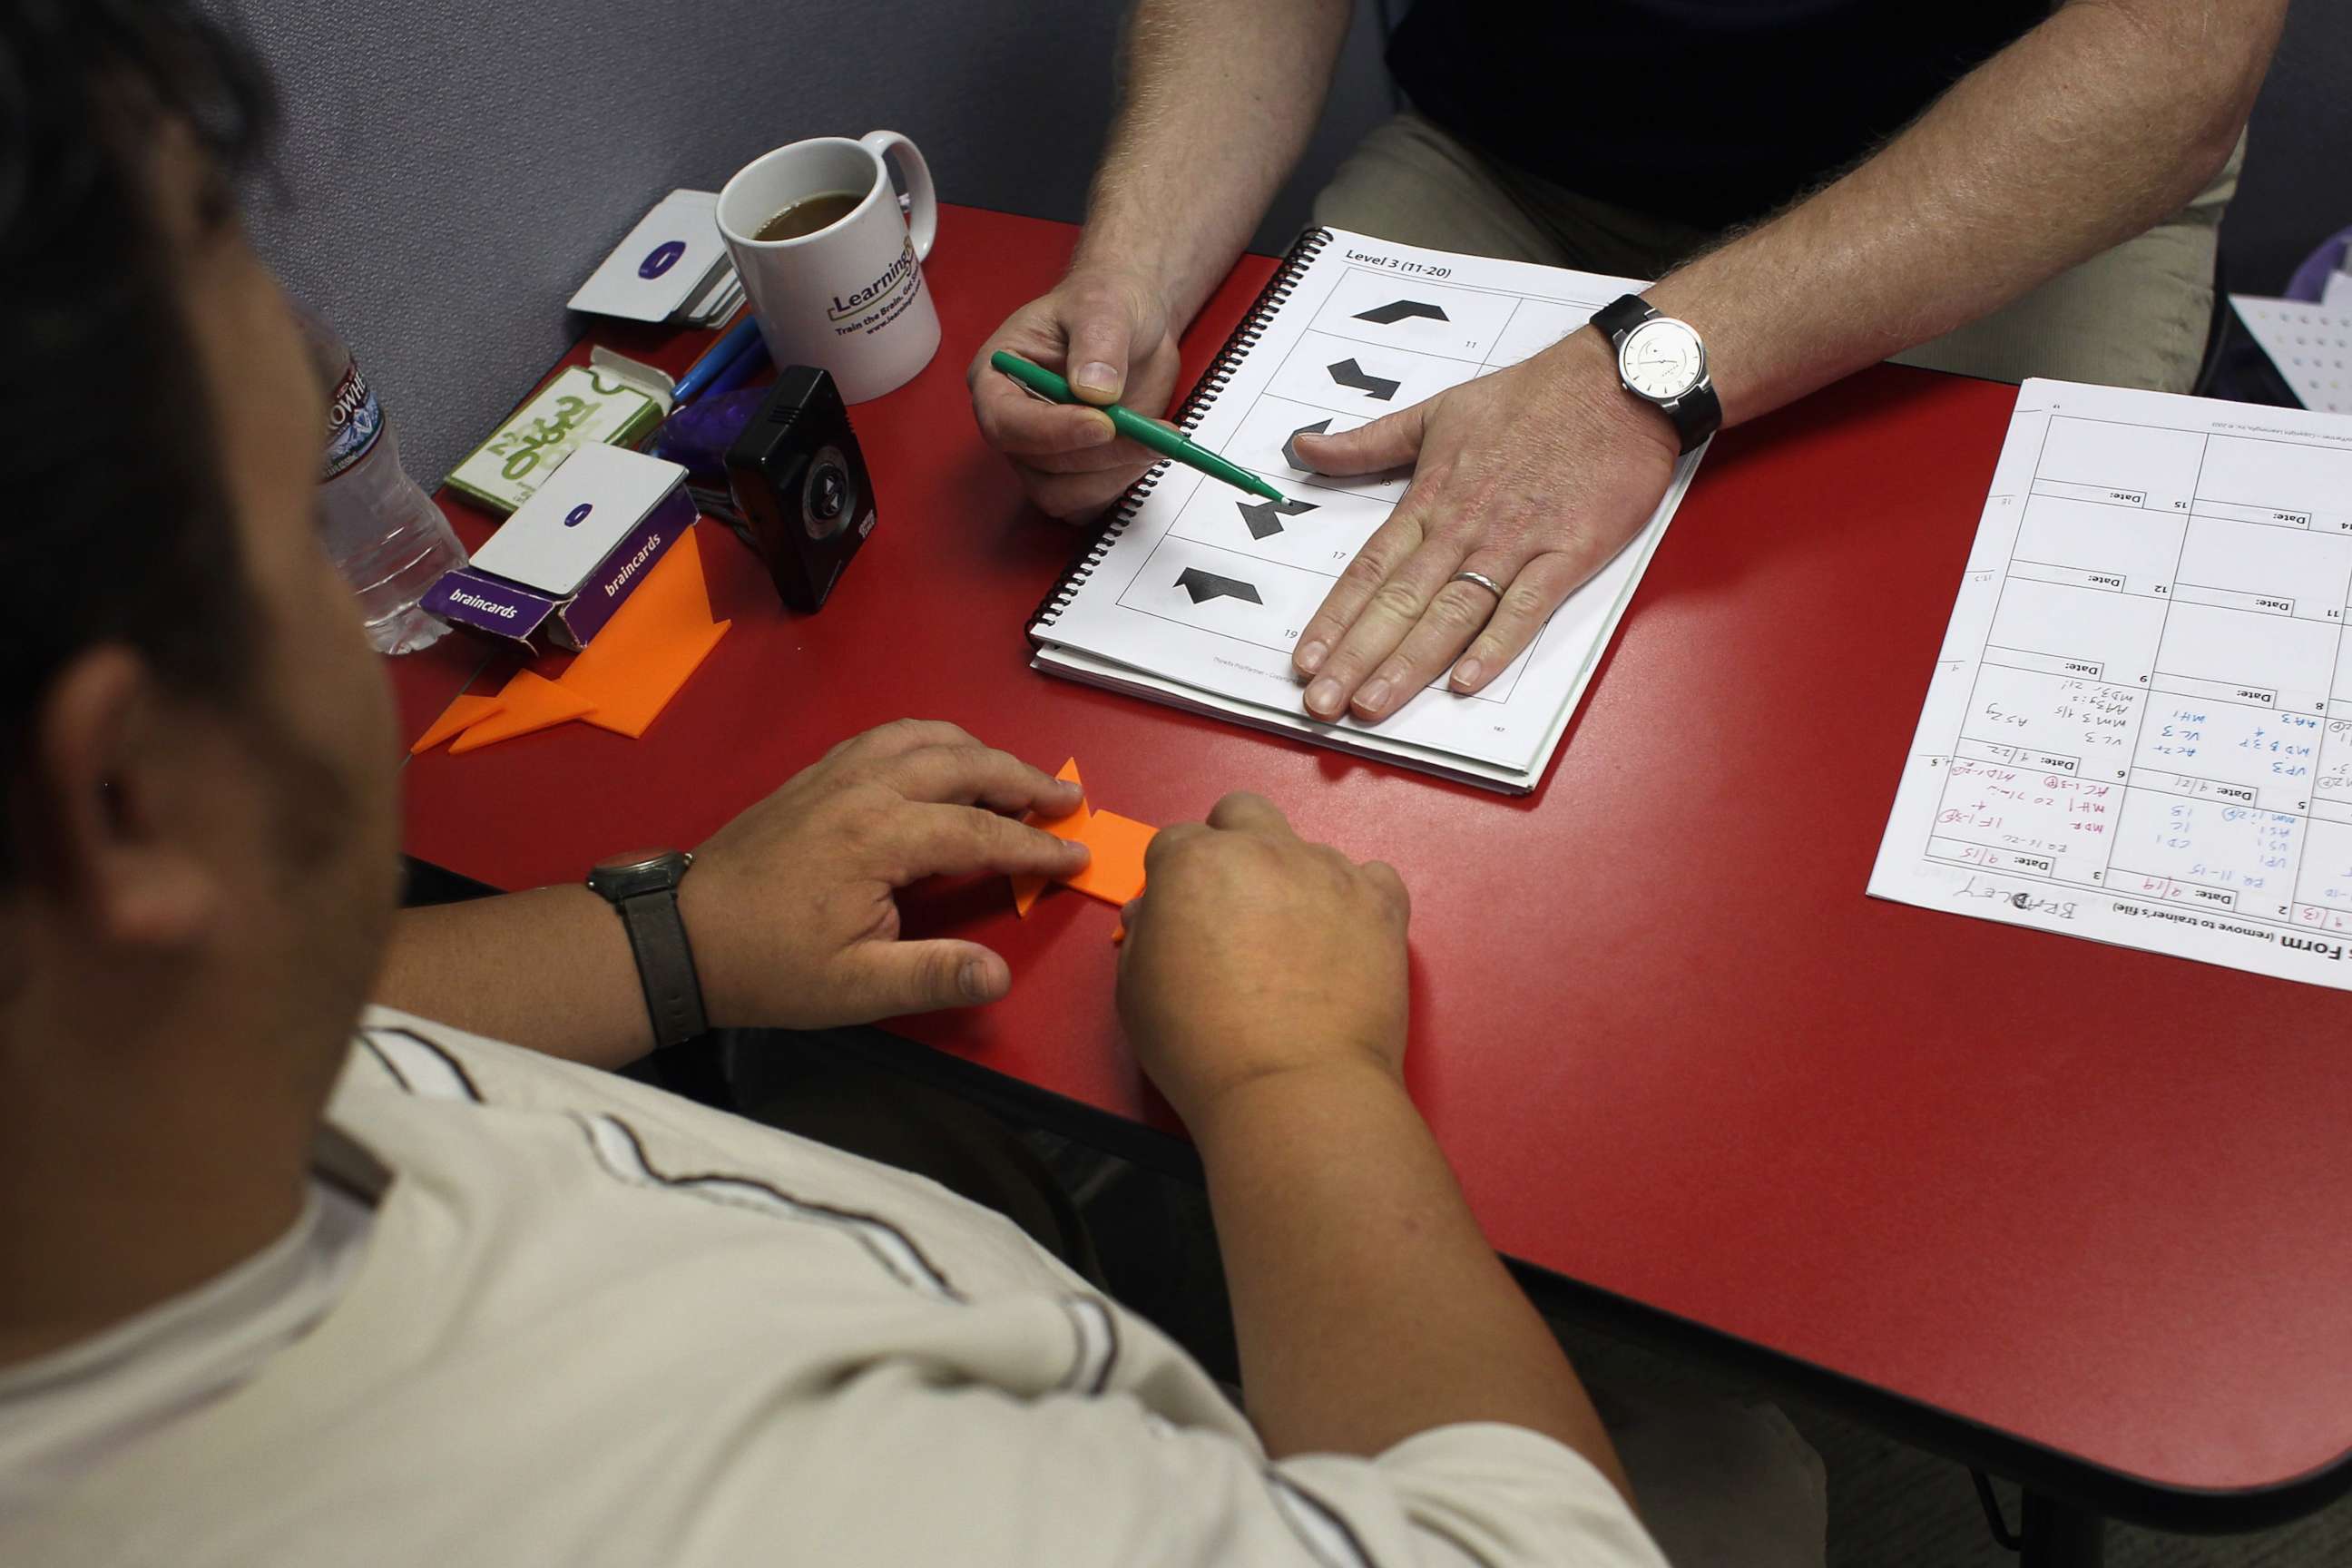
pixel 1207 588
pixel 2140 728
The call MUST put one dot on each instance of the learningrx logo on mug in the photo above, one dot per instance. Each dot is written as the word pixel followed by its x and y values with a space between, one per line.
pixel 863 303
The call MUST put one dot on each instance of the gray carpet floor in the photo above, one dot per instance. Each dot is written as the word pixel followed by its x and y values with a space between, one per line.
pixel 1892 1506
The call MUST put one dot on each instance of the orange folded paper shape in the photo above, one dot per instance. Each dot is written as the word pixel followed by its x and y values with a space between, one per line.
pixel 527 702
pixel 1115 873
pixel 1026 887
pixel 466 708
pixel 630 670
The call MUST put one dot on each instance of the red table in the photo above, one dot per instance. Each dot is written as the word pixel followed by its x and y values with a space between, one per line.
pixel 2080 1213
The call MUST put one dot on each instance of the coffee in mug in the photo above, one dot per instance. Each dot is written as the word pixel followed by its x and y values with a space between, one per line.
pixel 831 266
pixel 811 214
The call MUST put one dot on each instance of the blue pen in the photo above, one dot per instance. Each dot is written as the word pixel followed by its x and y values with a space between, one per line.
pixel 748 364
pixel 722 354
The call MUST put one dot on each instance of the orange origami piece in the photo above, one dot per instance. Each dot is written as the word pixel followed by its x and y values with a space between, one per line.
pixel 631 668
pixel 1115 873
pixel 1026 887
pixel 527 702
pixel 466 708
pixel 621 681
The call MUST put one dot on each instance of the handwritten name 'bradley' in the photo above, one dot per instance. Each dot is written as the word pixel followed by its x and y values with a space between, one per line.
pixel 892 276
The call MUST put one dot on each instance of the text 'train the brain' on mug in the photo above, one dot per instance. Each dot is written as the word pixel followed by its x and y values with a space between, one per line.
pixel 849 298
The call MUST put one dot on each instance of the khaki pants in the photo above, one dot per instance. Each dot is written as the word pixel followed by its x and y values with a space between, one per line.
pixel 2132 316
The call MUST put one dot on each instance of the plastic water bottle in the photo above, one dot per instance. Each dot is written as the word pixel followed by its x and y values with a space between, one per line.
pixel 384 532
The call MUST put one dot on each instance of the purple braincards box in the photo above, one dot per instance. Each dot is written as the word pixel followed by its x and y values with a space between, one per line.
pixel 570 555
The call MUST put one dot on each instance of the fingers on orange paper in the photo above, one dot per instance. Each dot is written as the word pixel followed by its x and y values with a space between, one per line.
pixel 1115 875
pixel 1027 886
pixel 1117 843
pixel 1072 822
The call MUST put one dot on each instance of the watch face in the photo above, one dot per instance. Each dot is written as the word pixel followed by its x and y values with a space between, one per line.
pixel 636 861
pixel 1662 359
pixel 647 871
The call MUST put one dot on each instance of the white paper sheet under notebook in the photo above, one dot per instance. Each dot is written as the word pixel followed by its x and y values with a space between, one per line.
pixel 2140 726
pixel 1200 595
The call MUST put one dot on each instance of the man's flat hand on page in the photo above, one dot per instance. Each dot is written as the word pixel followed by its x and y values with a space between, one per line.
pixel 1532 478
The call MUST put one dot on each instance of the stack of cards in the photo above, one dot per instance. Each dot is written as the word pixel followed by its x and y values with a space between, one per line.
pixel 611 400
pixel 557 570
pixel 672 267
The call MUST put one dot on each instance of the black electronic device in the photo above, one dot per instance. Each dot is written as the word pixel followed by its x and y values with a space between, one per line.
pixel 801 485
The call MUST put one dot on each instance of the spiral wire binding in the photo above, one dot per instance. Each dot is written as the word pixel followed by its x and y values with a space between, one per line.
pixel 1253 324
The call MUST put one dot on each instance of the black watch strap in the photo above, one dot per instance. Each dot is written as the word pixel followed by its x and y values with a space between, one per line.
pixel 1620 315
pixel 646 894
pixel 1697 413
pixel 664 965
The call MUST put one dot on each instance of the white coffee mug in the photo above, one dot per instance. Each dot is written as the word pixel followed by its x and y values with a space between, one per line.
pixel 848 299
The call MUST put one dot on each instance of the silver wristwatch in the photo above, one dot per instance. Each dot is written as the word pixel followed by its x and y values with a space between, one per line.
pixel 1661 360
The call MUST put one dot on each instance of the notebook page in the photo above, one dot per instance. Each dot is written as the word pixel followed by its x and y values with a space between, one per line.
pixel 1210 588
pixel 2139 730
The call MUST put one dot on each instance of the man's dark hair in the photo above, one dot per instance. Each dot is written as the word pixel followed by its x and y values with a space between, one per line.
pixel 115 524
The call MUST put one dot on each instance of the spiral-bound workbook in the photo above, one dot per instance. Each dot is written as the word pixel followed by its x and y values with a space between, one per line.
pixel 1195 593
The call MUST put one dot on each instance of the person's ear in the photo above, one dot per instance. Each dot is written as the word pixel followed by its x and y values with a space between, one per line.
pixel 95 828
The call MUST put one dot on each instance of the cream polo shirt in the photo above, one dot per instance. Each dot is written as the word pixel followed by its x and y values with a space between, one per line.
pixel 593 1323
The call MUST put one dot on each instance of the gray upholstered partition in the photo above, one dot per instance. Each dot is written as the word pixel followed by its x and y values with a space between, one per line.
pixel 456 167
pixel 2297 188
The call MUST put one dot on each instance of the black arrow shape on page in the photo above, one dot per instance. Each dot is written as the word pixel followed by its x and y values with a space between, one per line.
pixel 1389 315
pixel 1264 518
pixel 1290 446
pixel 1206 585
pixel 1347 373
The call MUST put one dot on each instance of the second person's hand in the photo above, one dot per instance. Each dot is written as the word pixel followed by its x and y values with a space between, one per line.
pixel 790 906
pixel 1254 954
pixel 1108 330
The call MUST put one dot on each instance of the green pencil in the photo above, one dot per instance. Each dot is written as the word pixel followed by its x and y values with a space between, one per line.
pixel 1134 425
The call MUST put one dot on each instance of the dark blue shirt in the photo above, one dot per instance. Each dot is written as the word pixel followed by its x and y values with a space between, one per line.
pixel 1711 112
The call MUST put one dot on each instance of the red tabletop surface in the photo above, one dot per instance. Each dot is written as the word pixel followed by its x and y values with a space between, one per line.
pixel 2097 1199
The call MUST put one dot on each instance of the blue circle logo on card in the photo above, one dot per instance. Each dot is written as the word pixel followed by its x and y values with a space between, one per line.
pixel 661 258
pixel 578 514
